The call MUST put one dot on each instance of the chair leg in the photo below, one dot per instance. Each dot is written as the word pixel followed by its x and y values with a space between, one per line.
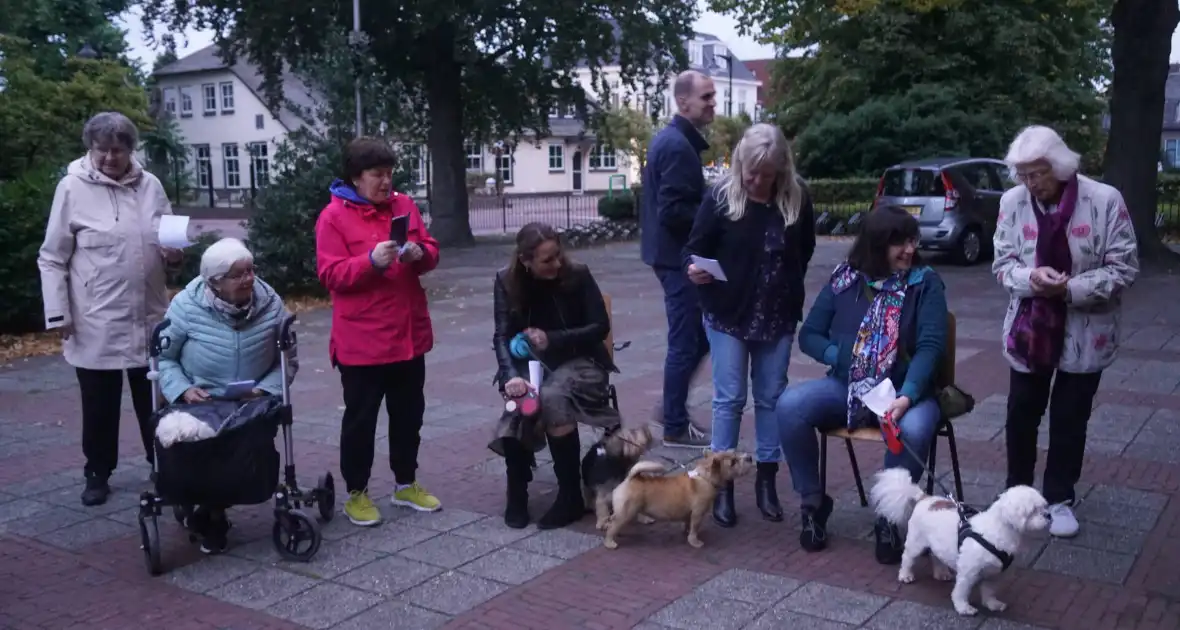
pixel 931 459
pixel 950 441
pixel 823 463
pixel 860 486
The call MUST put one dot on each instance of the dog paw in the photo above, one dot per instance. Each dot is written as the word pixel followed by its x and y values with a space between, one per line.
pixel 905 577
pixel 645 519
pixel 966 610
pixel 610 544
pixel 696 543
pixel 943 574
pixel 601 525
pixel 995 605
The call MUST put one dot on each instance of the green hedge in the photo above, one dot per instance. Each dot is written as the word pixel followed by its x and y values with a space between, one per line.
pixel 24 210
pixel 619 207
pixel 840 191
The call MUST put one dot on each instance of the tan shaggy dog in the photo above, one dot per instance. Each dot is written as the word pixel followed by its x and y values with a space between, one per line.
pixel 686 497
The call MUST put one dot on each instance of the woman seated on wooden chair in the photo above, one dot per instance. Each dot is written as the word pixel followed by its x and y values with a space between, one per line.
pixel 881 315
pixel 559 309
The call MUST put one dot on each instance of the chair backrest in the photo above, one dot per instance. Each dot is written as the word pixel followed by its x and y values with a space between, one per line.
pixel 610 335
pixel 946 370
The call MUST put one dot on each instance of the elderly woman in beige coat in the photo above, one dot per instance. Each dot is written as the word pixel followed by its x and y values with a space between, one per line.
pixel 102 282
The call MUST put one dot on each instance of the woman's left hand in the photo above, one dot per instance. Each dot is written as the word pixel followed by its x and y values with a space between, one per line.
pixel 537 338
pixel 411 252
pixel 257 393
pixel 171 255
pixel 898 408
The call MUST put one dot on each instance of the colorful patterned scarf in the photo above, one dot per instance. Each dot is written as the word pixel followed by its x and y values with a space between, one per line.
pixel 875 349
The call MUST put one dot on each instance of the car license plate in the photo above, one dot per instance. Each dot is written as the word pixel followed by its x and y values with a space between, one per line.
pixel 914 210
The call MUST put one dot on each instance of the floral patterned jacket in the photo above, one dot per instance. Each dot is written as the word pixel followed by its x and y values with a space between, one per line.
pixel 1105 262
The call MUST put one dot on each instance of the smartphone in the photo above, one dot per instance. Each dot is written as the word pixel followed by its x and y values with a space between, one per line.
pixel 399 229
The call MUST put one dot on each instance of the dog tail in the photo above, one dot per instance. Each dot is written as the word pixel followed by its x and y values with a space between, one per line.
pixel 894 495
pixel 643 468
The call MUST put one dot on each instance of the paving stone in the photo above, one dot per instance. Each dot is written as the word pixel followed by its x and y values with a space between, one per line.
pixel 449 551
pixel 44 522
pixel 324 606
pixel 87 533
pixel 262 588
pixel 834 603
pixel 762 589
pixel 332 560
pixel 390 575
pixel 559 543
pixel 209 573
pixel 1004 624
pixel 1109 538
pixel 779 618
pixel 1090 564
pixel 399 615
pixel 903 615
pixel 702 611
pixel 1117 515
pixel 510 566
pixel 453 593
pixel 45 483
pixel 492 529
pixel 339 528
pixel 443 520
pixel 1128 496
pixel 391 537
pixel 22 508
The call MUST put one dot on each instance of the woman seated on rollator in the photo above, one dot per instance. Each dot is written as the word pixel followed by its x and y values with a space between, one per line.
pixel 549 309
pixel 881 315
pixel 224 329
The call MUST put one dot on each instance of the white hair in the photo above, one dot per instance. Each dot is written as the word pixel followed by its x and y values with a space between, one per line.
pixel 106 128
pixel 217 260
pixel 1038 142
pixel 760 144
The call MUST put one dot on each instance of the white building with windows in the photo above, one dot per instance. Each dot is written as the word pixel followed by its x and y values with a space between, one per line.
pixel 223 119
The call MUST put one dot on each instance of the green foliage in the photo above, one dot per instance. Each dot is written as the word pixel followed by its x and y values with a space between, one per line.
pixel 627 129
pixel 190 267
pixel 842 190
pixel 723 136
pixel 24 209
pixel 620 207
pixel 57 29
pixel 461 71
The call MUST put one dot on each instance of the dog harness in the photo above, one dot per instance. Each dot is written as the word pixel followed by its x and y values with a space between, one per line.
pixel 965 532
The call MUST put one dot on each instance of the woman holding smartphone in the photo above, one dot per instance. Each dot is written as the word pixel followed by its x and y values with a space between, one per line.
pixel 1065 250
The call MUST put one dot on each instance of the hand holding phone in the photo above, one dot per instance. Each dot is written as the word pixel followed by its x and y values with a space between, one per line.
pixel 399 229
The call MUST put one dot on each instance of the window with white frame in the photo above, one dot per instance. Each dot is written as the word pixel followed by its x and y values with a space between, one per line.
pixel 1172 152
pixel 227 97
pixel 741 101
pixel 554 112
pixel 556 157
pixel 202 162
pixel 504 164
pixel 475 158
pixel 694 54
pixel 417 156
pixel 231 169
pixel 209 98
pixel 186 102
pixel 728 103
pixel 1176 117
pixel 602 157
pixel 170 100
pixel 615 94
pixel 571 111
pixel 259 163
pixel 668 111
pixel 259 121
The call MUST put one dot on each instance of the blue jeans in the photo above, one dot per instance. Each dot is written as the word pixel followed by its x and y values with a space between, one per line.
pixel 687 345
pixel 822 404
pixel 734 362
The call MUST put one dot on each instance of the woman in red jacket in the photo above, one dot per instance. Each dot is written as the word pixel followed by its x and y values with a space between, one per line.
pixel 380 323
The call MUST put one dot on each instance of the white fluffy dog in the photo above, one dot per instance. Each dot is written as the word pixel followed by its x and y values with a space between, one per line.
pixel 181 426
pixel 934 525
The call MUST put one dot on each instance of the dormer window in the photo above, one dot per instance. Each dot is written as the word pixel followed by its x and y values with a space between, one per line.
pixel 695 54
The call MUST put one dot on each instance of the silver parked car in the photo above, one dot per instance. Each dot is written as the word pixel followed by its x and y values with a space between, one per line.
pixel 956 201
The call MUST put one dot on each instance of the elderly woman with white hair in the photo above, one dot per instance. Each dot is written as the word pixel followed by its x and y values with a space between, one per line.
pixel 224 329
pixel 102 284
pixel 1065 251
pixel 757 222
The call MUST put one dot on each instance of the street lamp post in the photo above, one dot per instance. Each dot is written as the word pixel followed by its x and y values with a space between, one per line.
pixel 355 36
pixel 728 57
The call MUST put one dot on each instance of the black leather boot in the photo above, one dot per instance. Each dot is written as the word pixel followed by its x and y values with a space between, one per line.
pixel 97 490
pixel 889 543
pixel 519 463
pixel 569 507
pixel 765 493
pixel 723 510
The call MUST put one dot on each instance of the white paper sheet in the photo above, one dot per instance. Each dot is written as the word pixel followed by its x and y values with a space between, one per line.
pixel 174 231
pixel 880 397
pixel 239 389
pixel 535 374
pixel 710 265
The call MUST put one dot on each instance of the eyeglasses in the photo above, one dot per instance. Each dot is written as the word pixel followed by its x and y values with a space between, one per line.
pixel 239 276
pixel 1032 176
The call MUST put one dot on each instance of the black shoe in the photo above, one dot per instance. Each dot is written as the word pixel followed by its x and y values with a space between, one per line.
pixel 97 490
pixel 724 513
pixel 520 473
pixel 765 493
pixel 689 437
pixel 216 535
pixel 814 533
pixel 569 507
pixel 889 542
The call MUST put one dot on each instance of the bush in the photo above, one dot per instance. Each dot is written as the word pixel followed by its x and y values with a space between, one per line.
pixel 830 191
pixel 191 266
pixel 620 207
pixel 637 194
pixel 24 209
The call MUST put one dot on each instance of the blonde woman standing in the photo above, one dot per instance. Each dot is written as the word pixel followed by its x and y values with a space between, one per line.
pixel 757 222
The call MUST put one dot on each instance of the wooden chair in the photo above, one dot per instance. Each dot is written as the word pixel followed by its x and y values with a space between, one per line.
pixel 944 377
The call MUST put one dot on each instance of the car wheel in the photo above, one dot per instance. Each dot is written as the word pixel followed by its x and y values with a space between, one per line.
pixel 970 247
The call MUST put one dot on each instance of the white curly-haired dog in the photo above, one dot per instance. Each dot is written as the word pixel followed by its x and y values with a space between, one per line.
pixel 934 525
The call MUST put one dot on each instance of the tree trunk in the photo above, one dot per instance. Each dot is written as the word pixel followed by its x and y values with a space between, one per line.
pixel 450 222
pixel 1142 44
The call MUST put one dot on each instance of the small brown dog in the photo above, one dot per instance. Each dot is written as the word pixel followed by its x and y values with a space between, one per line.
pixel 606 464
pixel 686 497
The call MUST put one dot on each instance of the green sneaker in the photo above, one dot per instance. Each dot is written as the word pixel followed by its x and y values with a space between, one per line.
pixel 414 496
pixel 361 510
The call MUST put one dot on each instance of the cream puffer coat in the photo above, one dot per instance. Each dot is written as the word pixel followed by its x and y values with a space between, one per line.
pixel 102 268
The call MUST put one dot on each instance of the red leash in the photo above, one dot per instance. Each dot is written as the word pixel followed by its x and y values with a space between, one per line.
pixel 892 434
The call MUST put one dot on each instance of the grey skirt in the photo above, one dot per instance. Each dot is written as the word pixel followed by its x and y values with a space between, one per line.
pixel 574 392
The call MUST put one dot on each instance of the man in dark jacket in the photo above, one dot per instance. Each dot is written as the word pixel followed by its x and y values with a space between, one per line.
pixel 673 183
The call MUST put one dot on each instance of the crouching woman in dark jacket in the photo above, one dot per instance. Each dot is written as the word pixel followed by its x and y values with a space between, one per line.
pixel 557 310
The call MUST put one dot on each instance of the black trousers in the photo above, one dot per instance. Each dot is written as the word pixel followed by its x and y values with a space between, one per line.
pixel 1070 400
pixel 401 386
pixel 102 397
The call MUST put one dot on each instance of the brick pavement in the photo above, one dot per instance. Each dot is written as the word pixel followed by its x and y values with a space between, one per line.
pixel 63 566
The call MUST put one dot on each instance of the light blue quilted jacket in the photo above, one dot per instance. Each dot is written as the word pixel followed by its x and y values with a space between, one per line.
pixel 209 350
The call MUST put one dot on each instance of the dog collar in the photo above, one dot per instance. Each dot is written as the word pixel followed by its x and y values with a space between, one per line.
pixel 966 532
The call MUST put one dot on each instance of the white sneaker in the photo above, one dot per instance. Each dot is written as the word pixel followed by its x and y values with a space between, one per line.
pixel 1064 523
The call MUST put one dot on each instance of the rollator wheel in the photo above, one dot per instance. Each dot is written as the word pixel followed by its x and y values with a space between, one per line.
pixel 149 537
pixel 325 497
pixel 296 535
